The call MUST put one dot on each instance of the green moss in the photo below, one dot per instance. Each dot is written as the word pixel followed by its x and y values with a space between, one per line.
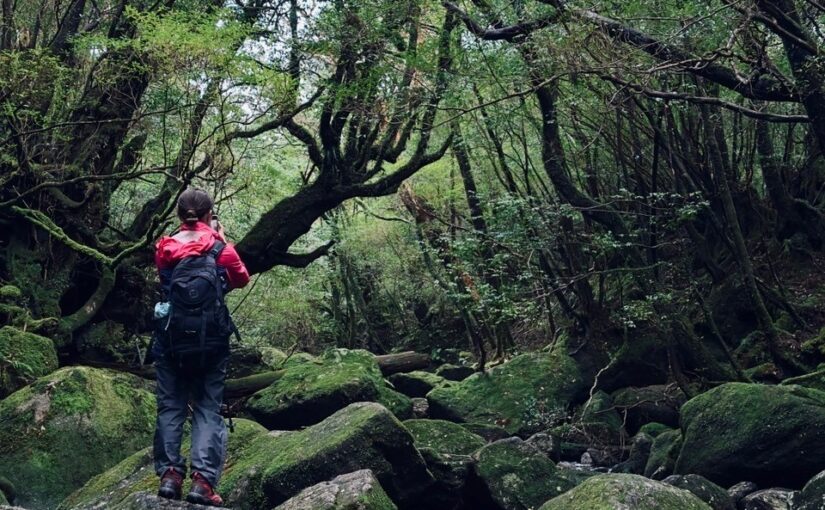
pixel 770 435
pixel 518 476
pixel 399 404
pixel 816 344
pixel 663 454
pixel 614 491
pixel 66 427
pixel 10 293
pixel 522 396
pixel 311 390
pixel 654 429
pixel 444 436
pixel 23 358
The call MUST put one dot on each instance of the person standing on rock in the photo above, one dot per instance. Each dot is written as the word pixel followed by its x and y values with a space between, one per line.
pixel 191 348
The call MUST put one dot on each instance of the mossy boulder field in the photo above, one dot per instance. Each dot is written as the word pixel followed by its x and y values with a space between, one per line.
pixel 543 445
pixel 68 426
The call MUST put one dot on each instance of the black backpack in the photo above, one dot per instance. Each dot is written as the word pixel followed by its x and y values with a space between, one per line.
pixel 198 325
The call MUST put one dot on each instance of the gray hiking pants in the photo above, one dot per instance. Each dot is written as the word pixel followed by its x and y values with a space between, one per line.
pixel 175 388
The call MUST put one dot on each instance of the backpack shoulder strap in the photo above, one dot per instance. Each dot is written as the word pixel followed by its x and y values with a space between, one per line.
pixel 216 249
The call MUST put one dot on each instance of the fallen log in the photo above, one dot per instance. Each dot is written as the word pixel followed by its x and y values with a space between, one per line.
pixel 406 361
pixel 244 386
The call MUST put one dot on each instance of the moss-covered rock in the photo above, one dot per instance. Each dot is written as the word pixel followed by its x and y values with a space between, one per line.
pixel 525 395
pixel 715 496
pixel 114 487
pixel 23 358
pixel 361 436
pixel 353 491
pixel 61 430
pixel 654 429
pixel 625 492
pixel 663 455
pixel 311 390
pixel 516 476
pixel 264 469
pixel 771 435
pixel 444 436
pixel 658 403
pixel 417 383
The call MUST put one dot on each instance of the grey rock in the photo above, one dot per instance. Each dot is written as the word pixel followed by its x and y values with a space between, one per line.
pixel 813 494
pixel 740 490
pixel 546 444
pixel 359 490
pixel 769 499
pixel 421 408
pixel 146 501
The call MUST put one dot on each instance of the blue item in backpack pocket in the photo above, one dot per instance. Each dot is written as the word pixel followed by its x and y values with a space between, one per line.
pixel 162 309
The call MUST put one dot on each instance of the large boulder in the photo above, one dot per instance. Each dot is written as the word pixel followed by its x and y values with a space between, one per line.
pixel 353 491
pixel 771 435
pixel 444 436
pixel 23 358
pixel 770 499
pixel 715 496
pixel 529 393
pixel 311 390
pixel 516 476
pixel 61 430
pixel 658 403
pixel 625 492
pixel 264 469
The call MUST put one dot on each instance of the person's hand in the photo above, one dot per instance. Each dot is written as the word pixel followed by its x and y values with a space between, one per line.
pixel 220 231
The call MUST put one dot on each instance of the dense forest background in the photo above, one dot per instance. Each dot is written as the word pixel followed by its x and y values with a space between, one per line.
pixel 488 176
pixel 599 225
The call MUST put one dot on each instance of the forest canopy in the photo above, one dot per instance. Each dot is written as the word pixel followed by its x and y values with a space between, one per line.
pixel 418 174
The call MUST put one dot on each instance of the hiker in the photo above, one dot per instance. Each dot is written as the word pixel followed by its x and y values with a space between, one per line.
pixel 191 348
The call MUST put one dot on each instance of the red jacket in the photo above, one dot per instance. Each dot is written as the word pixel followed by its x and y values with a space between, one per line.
pixel 169 251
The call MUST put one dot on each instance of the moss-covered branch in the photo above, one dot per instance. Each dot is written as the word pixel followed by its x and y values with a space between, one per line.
pixel 39 219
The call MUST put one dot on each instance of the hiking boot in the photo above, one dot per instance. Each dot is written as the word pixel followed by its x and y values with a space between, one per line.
pixel 202 492
pixel 171 484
